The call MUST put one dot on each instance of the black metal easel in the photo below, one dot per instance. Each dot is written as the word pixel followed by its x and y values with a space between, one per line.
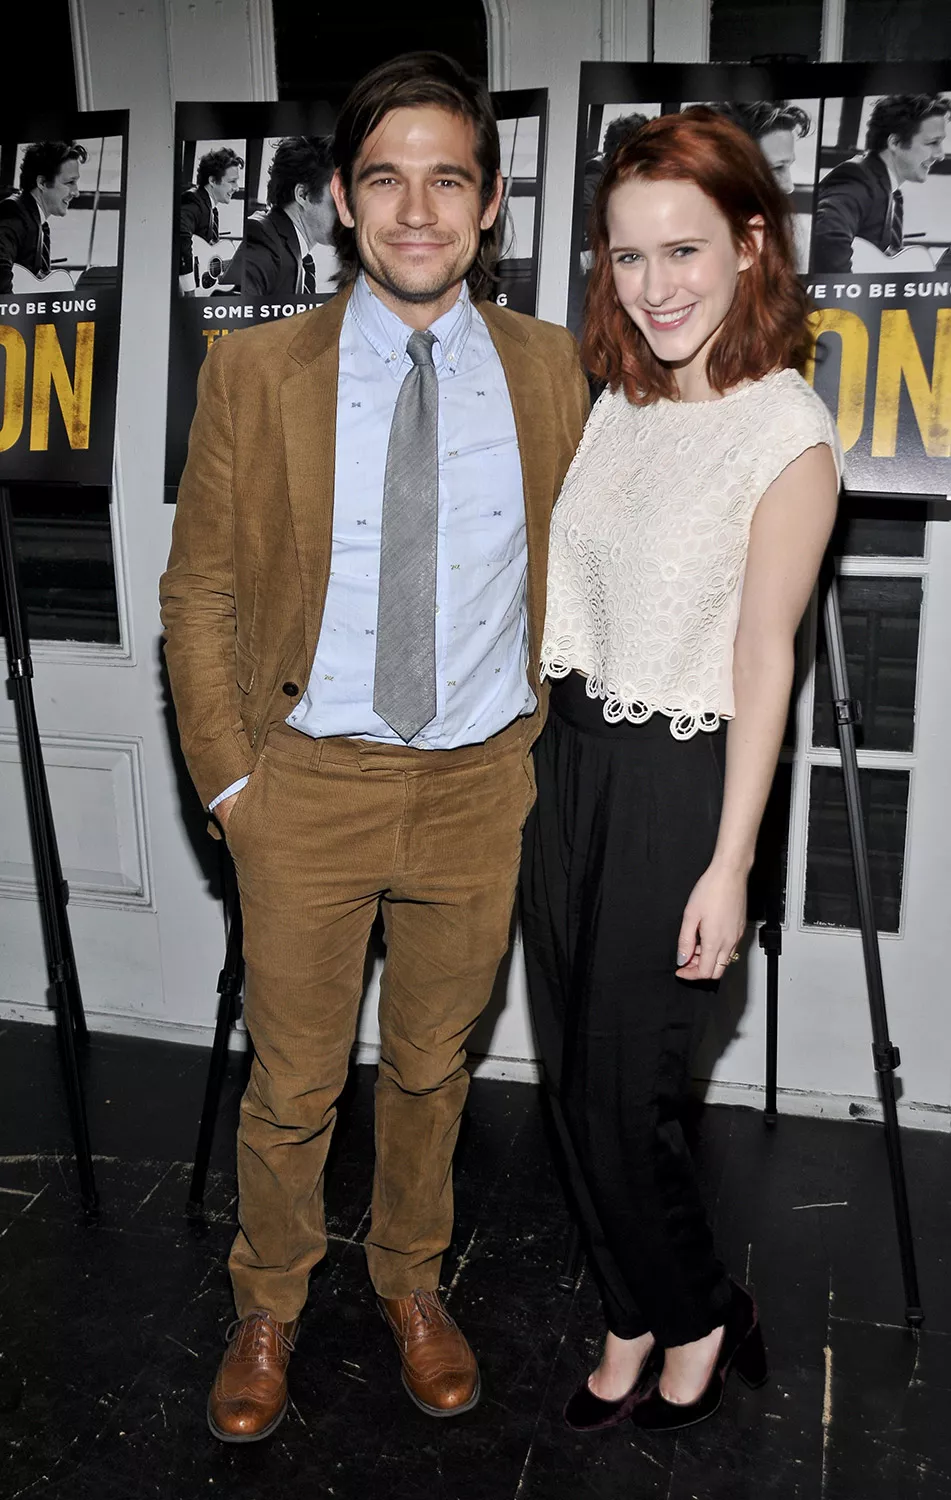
pixel 886 1056
pixel 52 888
pixel 230 981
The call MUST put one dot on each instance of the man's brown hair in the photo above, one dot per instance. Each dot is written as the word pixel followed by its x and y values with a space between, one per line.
pixel 412 81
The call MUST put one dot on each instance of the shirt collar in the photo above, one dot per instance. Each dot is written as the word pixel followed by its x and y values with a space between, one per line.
pixel 304 247
pixel 389 335
pixel 893 182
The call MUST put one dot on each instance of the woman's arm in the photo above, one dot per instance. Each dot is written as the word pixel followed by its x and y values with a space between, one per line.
pixel 789 534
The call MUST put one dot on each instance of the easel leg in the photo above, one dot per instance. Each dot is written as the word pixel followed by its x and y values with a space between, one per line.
pixel 61 968
pixel 885 1055
pixel 230 981
pixel 771 942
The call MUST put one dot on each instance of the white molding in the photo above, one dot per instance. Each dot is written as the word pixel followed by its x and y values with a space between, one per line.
pixel 263 56
pixel 120 558
pixel 613 30
pixel 500 44
pixel 912 1114
pixel 80 653
pixel 833 30
pixel 132 890
pixel 626 27
pixel 82 62
pixel 170 59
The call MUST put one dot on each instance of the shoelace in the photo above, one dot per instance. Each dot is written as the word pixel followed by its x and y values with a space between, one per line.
pixel 429 1308
pixel 262 1318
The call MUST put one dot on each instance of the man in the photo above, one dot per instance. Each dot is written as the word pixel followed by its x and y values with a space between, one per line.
pixel 353 607
pixel 276 257
pixel 217 182
pixel 863 199
pixel 49 183
pixel 619 130
pixel 775 126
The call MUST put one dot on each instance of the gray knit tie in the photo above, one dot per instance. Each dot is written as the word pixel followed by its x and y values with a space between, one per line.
pixel 404 683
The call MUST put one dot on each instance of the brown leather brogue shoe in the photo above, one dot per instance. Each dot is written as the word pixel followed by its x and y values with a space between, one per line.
pixel 439 1369
pixel 249 1397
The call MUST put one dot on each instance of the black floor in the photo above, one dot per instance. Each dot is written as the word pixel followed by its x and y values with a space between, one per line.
pixel 109 1335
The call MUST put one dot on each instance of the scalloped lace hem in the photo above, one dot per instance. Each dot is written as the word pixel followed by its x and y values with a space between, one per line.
pixel 684 722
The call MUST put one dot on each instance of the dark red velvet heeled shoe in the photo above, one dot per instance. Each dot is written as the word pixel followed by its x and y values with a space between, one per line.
pixel 742 1350
pixel 586 1412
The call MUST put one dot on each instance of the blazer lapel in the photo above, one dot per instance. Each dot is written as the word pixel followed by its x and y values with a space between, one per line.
pixel 287 234
pixel 309 422
pixel 533 406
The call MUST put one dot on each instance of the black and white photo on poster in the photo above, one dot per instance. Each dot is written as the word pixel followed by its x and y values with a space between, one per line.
pixel 523 119
pixel 62 197
pixel 884 186
pixel 253 233
pixel 210 212
pixel 870 190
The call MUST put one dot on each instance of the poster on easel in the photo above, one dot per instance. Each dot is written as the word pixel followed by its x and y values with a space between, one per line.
pixel 62 209
pixel 252 239
pixel 860 150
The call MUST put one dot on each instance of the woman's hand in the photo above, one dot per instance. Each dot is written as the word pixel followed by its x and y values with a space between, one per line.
pixel 714 922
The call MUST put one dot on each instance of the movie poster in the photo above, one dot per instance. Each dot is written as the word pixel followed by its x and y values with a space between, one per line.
pixel 870 189
pixel 253 233
pixel 62 202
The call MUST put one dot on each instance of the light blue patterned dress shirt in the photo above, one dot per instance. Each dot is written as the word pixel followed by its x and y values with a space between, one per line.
pixel 482 556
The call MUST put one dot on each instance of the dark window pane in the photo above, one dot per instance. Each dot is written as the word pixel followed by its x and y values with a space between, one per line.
pixel 64 549
pixel 40 37
pixel 744 29
pixel 766 892
pixel 896 30
pixel 880 624
pixel 830 882
pixel 880 527
pixel 322 50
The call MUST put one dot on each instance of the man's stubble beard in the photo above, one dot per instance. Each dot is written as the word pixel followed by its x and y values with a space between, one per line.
pixel 417 296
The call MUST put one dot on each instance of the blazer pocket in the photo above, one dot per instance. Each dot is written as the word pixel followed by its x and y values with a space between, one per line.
pixel 245 667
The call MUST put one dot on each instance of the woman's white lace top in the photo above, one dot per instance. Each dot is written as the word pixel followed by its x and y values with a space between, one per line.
pixel 649 540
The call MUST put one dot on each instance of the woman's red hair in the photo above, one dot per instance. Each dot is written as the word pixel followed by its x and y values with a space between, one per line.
pixel 766 328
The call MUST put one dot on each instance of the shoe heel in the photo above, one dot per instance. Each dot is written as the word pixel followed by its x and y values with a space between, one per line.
pixel 750 1359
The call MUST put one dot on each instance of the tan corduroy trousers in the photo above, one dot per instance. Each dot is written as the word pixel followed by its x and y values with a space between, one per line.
pixel 324 833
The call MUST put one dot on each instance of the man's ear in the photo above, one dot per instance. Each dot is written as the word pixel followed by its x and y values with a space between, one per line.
pixel 491 211
pixel 339 194
pixel 755 229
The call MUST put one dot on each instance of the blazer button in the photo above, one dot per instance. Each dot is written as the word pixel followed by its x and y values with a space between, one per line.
pixel 291 689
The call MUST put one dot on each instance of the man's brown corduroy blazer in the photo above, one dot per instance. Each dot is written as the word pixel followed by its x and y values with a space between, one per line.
pixel 243 594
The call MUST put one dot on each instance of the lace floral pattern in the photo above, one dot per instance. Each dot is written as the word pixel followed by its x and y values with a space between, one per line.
pixel 649 540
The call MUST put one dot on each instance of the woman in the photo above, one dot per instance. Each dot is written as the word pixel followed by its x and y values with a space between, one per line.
pixel 684 548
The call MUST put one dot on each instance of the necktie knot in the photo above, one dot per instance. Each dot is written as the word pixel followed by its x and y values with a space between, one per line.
pixel 419 347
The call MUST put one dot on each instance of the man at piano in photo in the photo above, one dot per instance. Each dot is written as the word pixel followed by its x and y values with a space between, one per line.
pixel 218 177
pixel 275 259
pixel 49 183
pixel 862 200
